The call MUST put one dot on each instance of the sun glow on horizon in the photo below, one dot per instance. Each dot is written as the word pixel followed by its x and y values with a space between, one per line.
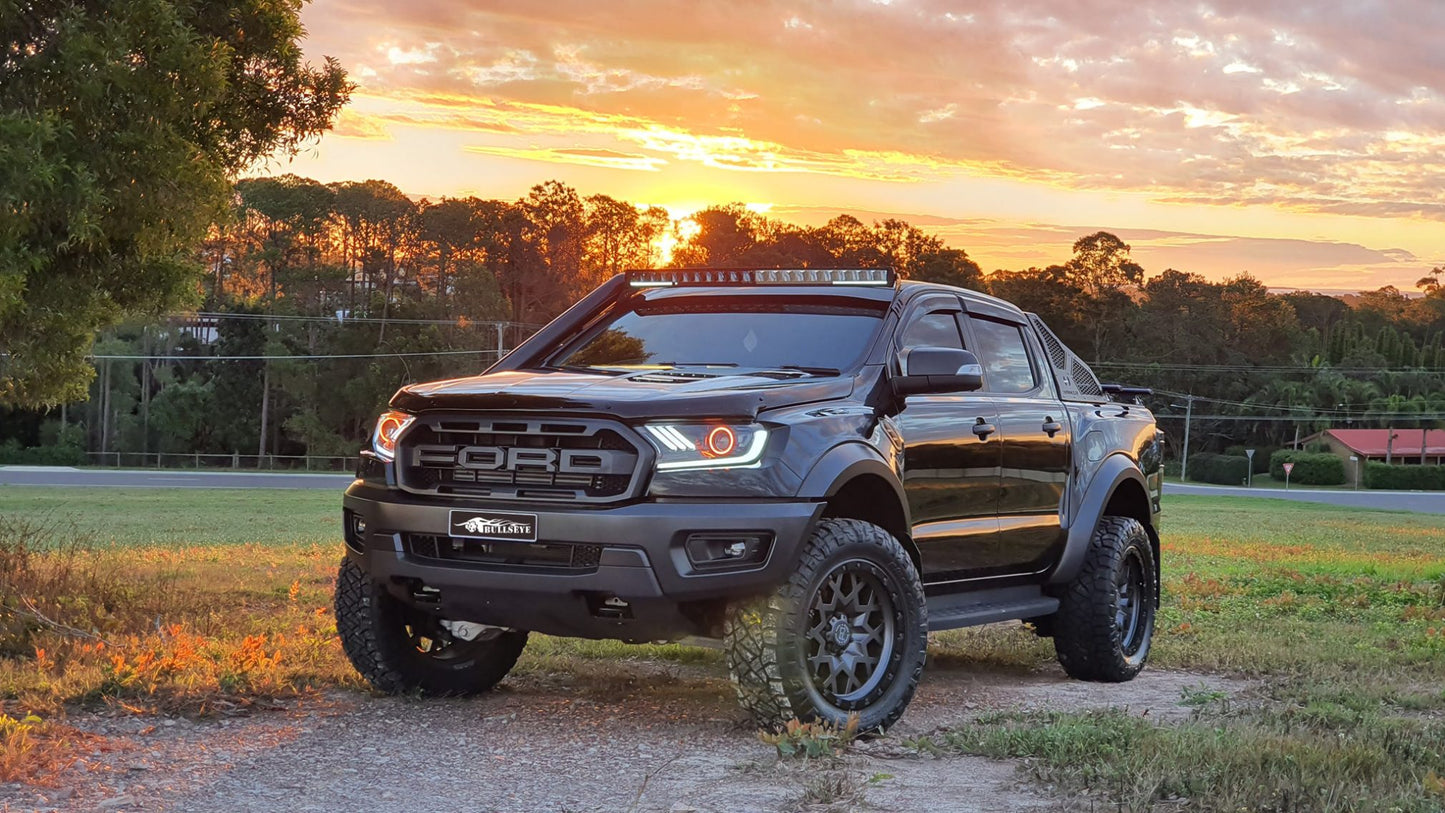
pixel 1239 140
pixel 683 229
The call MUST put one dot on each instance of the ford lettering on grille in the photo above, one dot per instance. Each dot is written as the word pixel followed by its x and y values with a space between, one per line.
pixel 574 460
pixel 561 461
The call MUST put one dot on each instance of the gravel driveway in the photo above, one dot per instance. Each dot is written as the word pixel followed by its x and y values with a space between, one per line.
pixel 632 735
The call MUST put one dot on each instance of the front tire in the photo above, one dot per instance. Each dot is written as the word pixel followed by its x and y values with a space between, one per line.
pixel 1105 620
pixel 400 649
pixel 846 634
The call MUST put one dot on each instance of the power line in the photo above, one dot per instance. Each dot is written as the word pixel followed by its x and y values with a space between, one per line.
pixel 288 358
pixel 1246 368
pixel 334 320
pixel 1362 417
pixel 1323 412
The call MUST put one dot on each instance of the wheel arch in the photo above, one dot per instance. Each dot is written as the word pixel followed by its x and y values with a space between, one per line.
pixel 856 483
pixel 1117 489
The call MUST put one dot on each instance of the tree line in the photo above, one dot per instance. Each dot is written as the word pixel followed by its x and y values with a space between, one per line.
pixel 319 300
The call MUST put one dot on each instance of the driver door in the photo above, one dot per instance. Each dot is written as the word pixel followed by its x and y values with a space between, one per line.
pixel 951 473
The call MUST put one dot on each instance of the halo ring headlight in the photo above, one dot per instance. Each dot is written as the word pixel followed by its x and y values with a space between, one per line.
pixel 696 446
pixel 388 431
pixel 721 441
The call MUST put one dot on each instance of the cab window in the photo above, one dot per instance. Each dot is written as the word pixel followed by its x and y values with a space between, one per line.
pixel 933 329
pixel 1005 356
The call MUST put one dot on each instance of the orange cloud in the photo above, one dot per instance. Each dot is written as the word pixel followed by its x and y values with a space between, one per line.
pixel 592 158
pixel 1297 118
pixel 1306 104
pixel 352 124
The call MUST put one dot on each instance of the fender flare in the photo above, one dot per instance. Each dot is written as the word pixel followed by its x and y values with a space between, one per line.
pixel 843 463
pixel 1113 471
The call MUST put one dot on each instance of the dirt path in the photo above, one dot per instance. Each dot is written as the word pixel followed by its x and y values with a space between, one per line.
pixel 634 735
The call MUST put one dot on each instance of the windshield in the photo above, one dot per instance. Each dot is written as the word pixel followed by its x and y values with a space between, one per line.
pixel 770 334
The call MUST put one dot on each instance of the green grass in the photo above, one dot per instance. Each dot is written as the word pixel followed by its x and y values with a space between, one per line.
pixel 1281 758
pixel 1337 613
pixel 1271 586
pixel 143 517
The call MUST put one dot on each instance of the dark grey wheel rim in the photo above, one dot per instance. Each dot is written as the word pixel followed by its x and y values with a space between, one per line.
pixel 1131 603
pixel 850 634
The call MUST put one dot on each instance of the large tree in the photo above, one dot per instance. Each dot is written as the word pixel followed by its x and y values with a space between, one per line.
pixel 121 124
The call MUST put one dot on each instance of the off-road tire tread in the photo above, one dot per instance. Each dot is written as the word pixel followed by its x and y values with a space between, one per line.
pixel 751 629
pixel 1085 637
pixel 360 623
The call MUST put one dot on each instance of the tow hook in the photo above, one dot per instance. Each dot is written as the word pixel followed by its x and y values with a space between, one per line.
pixel 469 630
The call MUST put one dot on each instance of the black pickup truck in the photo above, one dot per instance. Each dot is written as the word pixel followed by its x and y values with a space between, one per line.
pixel 816 466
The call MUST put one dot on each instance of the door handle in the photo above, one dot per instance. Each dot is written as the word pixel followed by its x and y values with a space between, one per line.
pixel 983 429
pixel 1051 426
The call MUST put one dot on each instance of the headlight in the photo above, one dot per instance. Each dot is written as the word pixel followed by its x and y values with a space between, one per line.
pixel 388 428
pixel 682 446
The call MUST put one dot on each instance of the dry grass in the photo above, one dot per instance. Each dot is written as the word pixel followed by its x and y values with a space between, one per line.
pixel 196 631
pixel 37 751
pixel 1340 614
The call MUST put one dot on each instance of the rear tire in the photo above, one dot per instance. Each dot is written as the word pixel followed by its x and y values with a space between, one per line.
pixel 1105 621
pixel 846 634
pixel 400 649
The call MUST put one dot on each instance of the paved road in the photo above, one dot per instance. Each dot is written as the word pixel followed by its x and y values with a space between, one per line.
pixel 166 478
pixel 173 478
pixel 1428 502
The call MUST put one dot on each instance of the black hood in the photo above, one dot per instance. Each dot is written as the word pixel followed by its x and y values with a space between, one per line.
pixel 667 393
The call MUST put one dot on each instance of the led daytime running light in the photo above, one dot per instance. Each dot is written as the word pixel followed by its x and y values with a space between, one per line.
pixel 388 430
pixel 707 447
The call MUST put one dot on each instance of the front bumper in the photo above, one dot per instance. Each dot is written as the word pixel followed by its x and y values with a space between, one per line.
pixel 642 563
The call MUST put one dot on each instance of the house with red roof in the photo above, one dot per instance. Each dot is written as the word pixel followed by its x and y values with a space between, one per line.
pixel 1399 446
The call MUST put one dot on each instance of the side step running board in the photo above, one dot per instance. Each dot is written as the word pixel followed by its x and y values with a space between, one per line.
pixel 948 612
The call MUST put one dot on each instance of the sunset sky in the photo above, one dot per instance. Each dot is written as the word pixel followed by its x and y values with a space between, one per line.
pixel 1302 141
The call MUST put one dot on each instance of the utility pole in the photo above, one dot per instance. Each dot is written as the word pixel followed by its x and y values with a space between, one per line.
pixel 1389 444
pixel 265 413
pixel 501 335
pixel 1184 458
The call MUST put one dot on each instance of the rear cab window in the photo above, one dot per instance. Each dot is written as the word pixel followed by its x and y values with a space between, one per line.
pixel 1001 348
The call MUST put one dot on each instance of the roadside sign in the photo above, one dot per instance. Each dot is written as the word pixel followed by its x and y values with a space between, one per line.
pixel 1249 476
pixel 1288 467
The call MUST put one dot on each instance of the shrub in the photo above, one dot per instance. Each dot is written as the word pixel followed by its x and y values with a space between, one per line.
pixel 1384 475
pixel 1262 455
pixel 1218 468
pixel 1310 468
pixel 12 453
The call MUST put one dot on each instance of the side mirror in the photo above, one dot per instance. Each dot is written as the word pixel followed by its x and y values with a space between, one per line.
pixel 937 369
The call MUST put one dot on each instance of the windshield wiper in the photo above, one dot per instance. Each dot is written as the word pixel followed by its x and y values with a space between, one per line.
pixel 808 370
pixel 697 363
pixel 584 368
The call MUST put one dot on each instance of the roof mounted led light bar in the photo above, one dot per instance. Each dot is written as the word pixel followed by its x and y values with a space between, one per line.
pixel 668 278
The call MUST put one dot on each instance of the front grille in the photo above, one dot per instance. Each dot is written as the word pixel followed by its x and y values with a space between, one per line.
pixel 556 555
pixel 520 459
